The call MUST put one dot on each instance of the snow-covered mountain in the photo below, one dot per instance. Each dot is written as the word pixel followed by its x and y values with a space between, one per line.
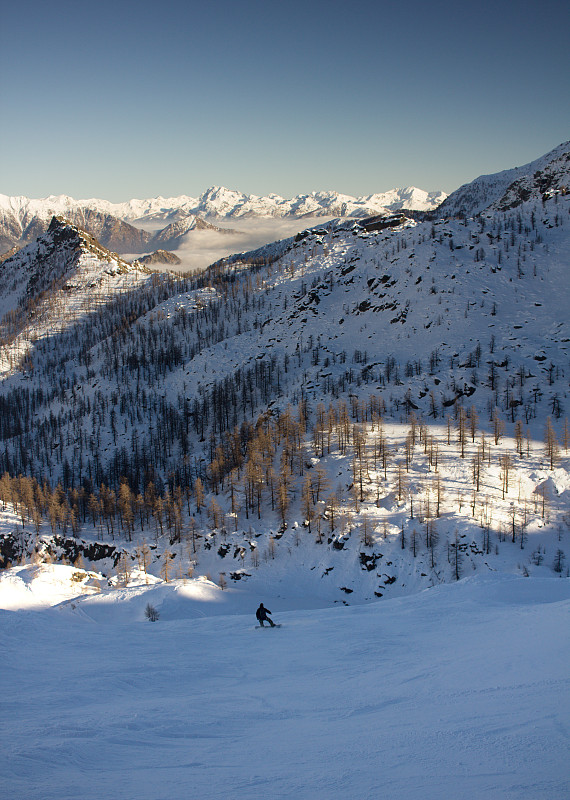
pixel 487 190
pixel 23 220
pixel 142 379
pixel 121 226
pixel 547 178
pixel 65 274
pixel 171 236
pixel 221 202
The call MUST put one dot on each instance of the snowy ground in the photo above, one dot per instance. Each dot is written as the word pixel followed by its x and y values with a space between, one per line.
pixel 460 691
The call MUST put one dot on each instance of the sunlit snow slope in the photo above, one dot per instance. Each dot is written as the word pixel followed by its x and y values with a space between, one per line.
pixel 459 692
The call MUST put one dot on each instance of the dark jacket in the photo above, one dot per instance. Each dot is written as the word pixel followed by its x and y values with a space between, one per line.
pixel 262 612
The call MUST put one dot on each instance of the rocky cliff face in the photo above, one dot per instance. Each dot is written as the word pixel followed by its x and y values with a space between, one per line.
pixel 113 233
pixel 554 178
pixel 510 187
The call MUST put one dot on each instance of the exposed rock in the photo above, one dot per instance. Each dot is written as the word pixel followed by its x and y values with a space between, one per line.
pixel 160 257
pixel 171 235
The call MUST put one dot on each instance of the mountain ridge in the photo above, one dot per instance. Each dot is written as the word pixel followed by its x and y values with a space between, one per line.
pixel 217 198
pixel 64 271
pixel 487 190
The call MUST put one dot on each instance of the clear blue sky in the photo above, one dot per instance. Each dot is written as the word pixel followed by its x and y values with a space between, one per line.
pixel 122 99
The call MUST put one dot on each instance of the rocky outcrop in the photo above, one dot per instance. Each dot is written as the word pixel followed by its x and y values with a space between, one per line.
pixel 160 257
pixel 553 179
pixel 511 187
pixel 62 260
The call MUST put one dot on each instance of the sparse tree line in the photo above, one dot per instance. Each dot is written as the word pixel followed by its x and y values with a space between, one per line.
pixel 65 433
pixel 274 468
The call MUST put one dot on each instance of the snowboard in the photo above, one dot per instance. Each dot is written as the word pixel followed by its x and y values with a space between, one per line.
pixel 275 625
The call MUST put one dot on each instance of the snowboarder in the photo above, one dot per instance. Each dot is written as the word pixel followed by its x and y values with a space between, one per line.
pixel 261 615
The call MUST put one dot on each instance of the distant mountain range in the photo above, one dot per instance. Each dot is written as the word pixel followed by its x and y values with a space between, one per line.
pixel 140 226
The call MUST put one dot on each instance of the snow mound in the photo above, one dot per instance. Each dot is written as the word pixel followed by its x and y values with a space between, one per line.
pixel 43 586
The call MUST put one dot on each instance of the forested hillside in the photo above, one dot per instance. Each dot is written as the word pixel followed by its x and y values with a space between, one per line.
pixel 381 380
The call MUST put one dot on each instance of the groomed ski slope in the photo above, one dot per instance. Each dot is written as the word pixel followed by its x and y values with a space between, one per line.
pixel 460 691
